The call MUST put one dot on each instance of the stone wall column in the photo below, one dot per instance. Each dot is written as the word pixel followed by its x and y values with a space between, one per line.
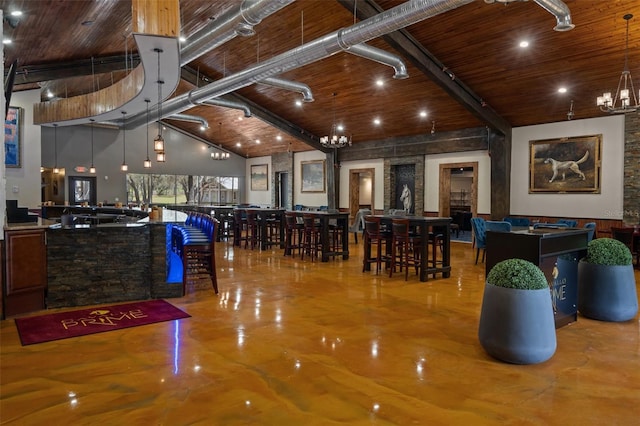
pixel 631 189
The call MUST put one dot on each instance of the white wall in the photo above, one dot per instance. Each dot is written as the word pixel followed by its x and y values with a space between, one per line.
pixel 346 166
pixel 260 198
pixel 432 178
pixel 606 205
pixel 315 199
pixel 23 183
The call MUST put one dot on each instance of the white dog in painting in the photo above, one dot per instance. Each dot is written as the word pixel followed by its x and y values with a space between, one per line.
pixel 562 167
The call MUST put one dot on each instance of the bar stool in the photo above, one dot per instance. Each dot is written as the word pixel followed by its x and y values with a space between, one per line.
pixel 293 234
pixel 311 243
pixel 253 230
pixel 273 227
pixel 375 235
pixel 405 247
pixel 436 241
pixel 239 228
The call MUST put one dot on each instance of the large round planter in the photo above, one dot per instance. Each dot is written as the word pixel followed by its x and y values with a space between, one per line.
pixel 517 326
pixel 607 293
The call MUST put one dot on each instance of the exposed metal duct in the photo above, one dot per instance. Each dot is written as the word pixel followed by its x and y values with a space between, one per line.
pixel 381 56
pixel 227 104
pixel 388 21
pixel 191 118
pixel 560 10
pixel 294 86
pixel 238 20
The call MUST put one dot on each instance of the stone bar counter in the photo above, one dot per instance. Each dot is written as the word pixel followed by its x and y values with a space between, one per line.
pixel 85 265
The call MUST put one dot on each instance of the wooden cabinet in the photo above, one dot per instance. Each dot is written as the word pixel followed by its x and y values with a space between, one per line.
pixel 25 267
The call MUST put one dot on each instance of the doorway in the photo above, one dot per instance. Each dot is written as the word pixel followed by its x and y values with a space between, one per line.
pixel 458 188
pixel 282 194
pixel 361 190
pixel 82 190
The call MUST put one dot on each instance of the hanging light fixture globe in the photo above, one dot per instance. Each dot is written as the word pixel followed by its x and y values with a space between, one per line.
pixel 625 92
pixel 335 139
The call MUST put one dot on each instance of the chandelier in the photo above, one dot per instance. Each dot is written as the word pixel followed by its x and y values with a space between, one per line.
pixel 219 155
pixel 625 90
pixel 335 139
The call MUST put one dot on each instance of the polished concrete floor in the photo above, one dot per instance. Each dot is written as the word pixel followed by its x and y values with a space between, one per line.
pixel 291 342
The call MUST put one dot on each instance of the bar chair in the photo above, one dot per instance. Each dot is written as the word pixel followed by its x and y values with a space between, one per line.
pixel 311 242
pixel 253 230
pixel 240 231
pixel 293 234
pixel 405 248
pixel 374 235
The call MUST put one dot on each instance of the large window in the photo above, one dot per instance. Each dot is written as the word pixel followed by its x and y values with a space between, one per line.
pixel 181 189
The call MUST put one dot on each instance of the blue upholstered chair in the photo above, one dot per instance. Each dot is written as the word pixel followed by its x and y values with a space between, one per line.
pixel 517 221
pixel 498 226
pixel 479 236
pixel 569 222
pixel 591 229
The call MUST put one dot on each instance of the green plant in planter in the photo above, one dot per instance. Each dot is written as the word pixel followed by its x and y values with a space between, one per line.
pixel 517 273
pixel 607 251
pixel 606 282
pixel 516 320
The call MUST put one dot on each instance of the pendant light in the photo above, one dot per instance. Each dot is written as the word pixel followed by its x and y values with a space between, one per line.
pixel 158 142
pixel 124 166
pixel 92 169
pixel 56 170
pixel 147 162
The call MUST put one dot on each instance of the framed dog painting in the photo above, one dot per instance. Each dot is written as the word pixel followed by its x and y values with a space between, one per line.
pixel 565 165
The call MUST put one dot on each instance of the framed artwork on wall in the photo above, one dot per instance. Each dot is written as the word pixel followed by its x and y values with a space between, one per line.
pixel 260 177
pixel 13 137
pixel 565 165
pixel 313 176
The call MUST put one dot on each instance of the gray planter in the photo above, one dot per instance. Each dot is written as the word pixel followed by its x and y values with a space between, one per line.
pixel 607 293
pixel 517 326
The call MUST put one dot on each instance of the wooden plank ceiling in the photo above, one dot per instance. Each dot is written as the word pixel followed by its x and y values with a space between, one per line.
pixel 54 42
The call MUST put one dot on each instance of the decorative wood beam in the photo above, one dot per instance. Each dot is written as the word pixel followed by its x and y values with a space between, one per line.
pixel 426 62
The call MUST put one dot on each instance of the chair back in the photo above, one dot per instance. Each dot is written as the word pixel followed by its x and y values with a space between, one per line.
pixel 310 223
pixel 372 227
pixel 517 221
pixel 624 235
pixel 400 228
pixel 358 221
pixel 569 222
pixel 591 230
pixel 498 226
pixel 290 220
pixel 479 231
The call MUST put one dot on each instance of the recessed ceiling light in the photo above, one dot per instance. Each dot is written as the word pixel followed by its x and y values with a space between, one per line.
pixel 238 144
pixel 379 83
pixel 423 114
pixel 258 141
pixel 239 118
pixel 202 128
pixel 49 94
pixel 6 41
pixel 376 121
pixel 16 13
pixel 524 43
pixel 340 127
pixel 562 90
pixel 182 39
pixel 299 103
pixel 279 137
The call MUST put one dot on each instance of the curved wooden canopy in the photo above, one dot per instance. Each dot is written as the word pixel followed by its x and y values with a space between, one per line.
pixel 156 25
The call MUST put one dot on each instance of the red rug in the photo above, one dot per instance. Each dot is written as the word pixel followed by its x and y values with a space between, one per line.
pixel 63 325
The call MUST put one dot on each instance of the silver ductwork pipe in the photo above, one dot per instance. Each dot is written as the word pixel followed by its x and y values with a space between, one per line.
pixel 238 20
pixel 227 104
pixel 190 118
pixel 381 56
pixel 294 86
pixel 560 10
pixel 388 21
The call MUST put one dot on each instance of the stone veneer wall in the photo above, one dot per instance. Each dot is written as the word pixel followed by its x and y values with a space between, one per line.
pixel 389 182
pixel 282 162
pixel 631 194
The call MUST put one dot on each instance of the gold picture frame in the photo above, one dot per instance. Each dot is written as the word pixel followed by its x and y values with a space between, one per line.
pixel 313 176
pixel 260 177
pixel 565 165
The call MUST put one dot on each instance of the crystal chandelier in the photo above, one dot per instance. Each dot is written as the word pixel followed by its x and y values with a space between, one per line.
pixel 335 139
pixel 625 91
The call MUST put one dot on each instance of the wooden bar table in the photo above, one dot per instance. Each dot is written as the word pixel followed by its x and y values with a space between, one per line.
pixel 324 216
pixel 263 215
pixel 425 226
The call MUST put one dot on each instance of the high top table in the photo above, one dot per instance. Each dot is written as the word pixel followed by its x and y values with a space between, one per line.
pixel 263 215
pixel 342 222
pixel 425 226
